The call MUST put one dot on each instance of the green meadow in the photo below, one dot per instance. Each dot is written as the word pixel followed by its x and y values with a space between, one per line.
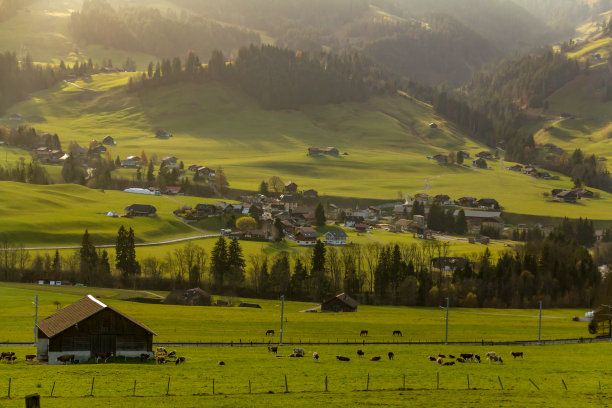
pixel 227 324
pixel 253 377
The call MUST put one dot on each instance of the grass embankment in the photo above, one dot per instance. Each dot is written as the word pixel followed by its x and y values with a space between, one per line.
pixel 218 324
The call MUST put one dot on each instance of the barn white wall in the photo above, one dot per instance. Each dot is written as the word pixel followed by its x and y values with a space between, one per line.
pixel 42 349
pixel 82 356
pixel 132 353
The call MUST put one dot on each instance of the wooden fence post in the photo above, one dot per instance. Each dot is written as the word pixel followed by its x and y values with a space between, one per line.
pixel 213 385
pixel 325 383
pixel 168 389
pixel 9 388
pixel 93 379
pixel 438 383
pixel 249 385
pixel 134 391
pixel 404 383
pixel 500 382
pixel 534 384
pixel 368 383
pixel 286 386
pixel 468 378
pixel 563 381
pixel 52 389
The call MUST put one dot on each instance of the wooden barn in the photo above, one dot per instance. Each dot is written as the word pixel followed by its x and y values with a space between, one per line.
pixel 89 326
pixel 340 303
pixel 602 321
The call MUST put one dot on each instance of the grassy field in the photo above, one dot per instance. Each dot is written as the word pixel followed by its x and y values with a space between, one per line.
pixel 580 366
pixel 387 141
pixel 218 324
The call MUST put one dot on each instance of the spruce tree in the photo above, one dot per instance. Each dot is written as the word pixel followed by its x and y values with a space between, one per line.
pixel 218 265
pixel 235 263
pixel 320 216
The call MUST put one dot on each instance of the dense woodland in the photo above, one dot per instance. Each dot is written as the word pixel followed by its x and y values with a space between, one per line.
pixel 150 31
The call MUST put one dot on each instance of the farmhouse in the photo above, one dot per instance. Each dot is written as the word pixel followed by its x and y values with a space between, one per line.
pixel 329 151
pixel 140 210
pixel 442 199
pixel 170 162
pixel 189 297
pixel 131 162
pixel 467 202
pixel 340 303
pixel 337 237
pixel 478 219
pixel 441 158
pixel 516 167
pixel 162 134
pixel 602 321
pixel 421 198
pixel 291 187
pixel 305 236
pixel 489 203
pixel 109 141
pixel 480 163
pixel 351 220
pixel 566 196
pixel 484 155
pixel 89 326
pixel 311 193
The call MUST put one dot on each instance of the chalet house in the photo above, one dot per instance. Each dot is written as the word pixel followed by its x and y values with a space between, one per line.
pixel 442 199
pixel 193 167
pixel 489 203
pixel 291 187
pixel 311 193
pixel 189 297
pixel 205 210
pixel 16 117
pixel 516 167
pixel 543 174
pixel 583 193
pixel 419 219
pixel 433 126
pixel 530 170
pixel 484 155
pixel 204 171
pixel 351 220
pixel 421 198
pixel 289 201
pixel 162 134
pixel 361 227
pixel 131 162
pixel 98 149
pixel 305 236
pixel 340 303
pixel 289 226
pixel 337 237
pixel 173 190
pixel 566 196
pixel 480 163
pixel 89 326
pixel 441 158
pixel 465 154
pixel 140 210
pixel 406 225
pixel 329 151
pixel 467 202
pixel 170 162
pixel 109 141
pixel 478 219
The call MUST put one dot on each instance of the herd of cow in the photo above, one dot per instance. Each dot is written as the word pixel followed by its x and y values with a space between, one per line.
pixel 471 357
pixel 10 357
pixel 299 352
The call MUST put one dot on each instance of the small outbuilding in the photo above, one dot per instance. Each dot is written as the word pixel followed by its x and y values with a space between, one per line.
pixel 340 303
pixel 189 297
pixel 140 210
pixel 252 305
pixel 89 326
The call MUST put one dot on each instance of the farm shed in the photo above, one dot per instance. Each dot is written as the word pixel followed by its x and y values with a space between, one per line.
pixel 602 321
pixel 340 303
pixel 252 305
pixel 89 326
pixel 140 210
pixel 189 297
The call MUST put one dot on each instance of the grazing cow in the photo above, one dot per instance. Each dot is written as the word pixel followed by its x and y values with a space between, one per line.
pixel 315 355
pixel 451 356
pixel 270 333
pixel 439 360
pixel 441 356
pixel 11 359
pixel 161 350
pixel 342 358
pixel 391 355
pixel 490 354
pixel 432 358
pixel 30 357
pixel 144 357
pixel 516 354
pixel 397 333
pixel 64 359
pixel 363 333
pixel 299 351
pixel 375 358
pixel 449 363
pixel 221 363
pixel 497 359
pixel 477 357
pixel 160 359
pixel 103 356
pixel 172 354
pixel 460 360
pixel 6 354
pixel 179 360
pixel 273 349
pixel 360 353
pixel 467 356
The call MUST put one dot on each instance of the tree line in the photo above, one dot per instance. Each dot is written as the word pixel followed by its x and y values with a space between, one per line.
pixel 149 30
pixel 556 269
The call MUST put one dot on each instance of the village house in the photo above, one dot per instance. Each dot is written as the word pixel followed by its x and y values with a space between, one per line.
pixel 87 327
pixel 361 227
pixel 421 198
pixel 162 134
pixel 448 264
pixel 530 170
pixel 204 171
pixel 310 193
pixel 484 155
pixel 170 162
pixel 289 201
pixel 442 199
pixel 480 163
pixel 189 297
pixel 583 193
pixel 337 237
pixel 566 196
pixel 340 303
pixel 173 190
pixel 405 225
pixel 205 210
pixel 476 220
pixel 140 210
pixel 467 202
pixel 109 141
pixel 441 158
pixel 305 236
pixel 489 203
pixel 351 220
pixel 290 187
pixel 516 167
pixel 131 162
pixel 329 151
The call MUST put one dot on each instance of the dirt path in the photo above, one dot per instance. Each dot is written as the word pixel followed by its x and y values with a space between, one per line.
pixel 153 294
pixel 80 87
pixel 375 239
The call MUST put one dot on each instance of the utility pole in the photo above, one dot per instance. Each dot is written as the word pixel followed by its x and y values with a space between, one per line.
pixel 540 325
pixel 280 342
pixel 446 339
pixel 35 319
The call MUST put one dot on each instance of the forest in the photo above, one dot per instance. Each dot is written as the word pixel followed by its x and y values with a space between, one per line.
pixel 151 31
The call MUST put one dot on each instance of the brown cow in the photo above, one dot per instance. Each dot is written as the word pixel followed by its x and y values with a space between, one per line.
pixel 64 359
pixel 360 353
pixel 375 358
pixel 391 355
pixel 363 333
pixel 516 354
pixel 30 357
pixel 270 332
pixel 497 359
pixel 103 356
pixel 179 360
pixel 160 359
pixel 439 360
pixel 342 358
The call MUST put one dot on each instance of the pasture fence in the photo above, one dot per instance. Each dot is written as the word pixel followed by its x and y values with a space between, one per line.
pixel 118 389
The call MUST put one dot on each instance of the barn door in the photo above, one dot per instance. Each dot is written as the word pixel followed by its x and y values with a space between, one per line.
pixel 103 343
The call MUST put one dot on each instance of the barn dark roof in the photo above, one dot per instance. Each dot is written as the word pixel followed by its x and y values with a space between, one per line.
pixel 343 297
pixel 76 313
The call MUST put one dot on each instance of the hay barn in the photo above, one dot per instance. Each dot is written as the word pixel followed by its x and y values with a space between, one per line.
pixel 89 326
pixel 340 303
